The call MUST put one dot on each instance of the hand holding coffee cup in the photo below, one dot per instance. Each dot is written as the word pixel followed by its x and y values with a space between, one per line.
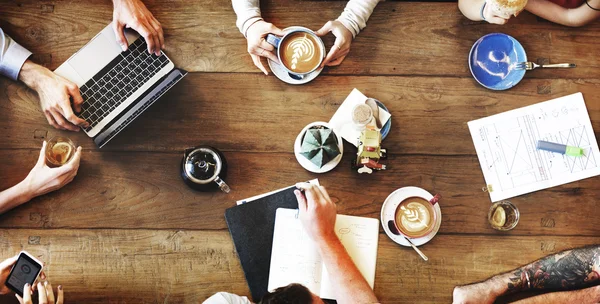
pixel 300 51
pixel 341 46
pixel 257 44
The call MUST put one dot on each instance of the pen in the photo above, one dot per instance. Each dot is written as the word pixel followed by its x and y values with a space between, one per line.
pixel 559 148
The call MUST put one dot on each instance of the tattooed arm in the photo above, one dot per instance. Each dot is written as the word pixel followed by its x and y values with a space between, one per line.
pixel 571 269
pixel 590 295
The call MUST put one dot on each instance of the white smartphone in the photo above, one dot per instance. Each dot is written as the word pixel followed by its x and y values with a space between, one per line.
pixel 26 270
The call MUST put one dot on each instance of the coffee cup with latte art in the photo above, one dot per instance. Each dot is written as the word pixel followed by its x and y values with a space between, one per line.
pixel 415 217
pixel 300 51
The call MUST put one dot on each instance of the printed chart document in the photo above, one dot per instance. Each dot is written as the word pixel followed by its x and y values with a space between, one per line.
pixel 295 258
pixel 506 147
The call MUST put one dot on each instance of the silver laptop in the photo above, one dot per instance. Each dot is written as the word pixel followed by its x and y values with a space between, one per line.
pixel 117 86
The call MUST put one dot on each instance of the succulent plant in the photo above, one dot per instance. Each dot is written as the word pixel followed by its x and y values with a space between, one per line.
pixel 320 146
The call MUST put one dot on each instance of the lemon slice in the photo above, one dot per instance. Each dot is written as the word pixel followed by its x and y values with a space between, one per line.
pixel 499 217
pixel 62 152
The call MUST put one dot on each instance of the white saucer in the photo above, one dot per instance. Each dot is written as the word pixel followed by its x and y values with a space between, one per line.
pixel 388 211
pixel 307 164
pixel 283 75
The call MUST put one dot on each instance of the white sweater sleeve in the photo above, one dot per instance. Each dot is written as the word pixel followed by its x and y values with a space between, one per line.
pixel 247 11
pixel 355 15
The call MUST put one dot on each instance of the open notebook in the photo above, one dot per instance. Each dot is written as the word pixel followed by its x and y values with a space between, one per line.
pixel 295 259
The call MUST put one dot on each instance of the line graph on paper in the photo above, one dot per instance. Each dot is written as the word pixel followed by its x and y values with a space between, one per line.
pixel 506 147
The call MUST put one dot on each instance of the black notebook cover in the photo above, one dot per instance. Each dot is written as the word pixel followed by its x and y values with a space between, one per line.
pixel 251 226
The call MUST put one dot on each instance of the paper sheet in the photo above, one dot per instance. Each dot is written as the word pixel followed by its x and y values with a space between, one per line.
pixel 342 123
pixel 506 147
pixel 295 258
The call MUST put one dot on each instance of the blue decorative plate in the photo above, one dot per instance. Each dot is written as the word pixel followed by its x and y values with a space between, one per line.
pixel 385 130
pixel 492 61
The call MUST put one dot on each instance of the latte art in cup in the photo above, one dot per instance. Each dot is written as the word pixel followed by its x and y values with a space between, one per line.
pixel 300 52
pixel 415 217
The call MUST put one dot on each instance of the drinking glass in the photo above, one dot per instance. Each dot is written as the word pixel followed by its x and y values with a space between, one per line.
pixel 59 150
pixel 503 216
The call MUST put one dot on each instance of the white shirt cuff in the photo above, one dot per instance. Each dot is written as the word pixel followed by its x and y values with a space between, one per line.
pixel 13 59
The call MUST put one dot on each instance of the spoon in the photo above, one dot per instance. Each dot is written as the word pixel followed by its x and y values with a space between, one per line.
pixel 417 249
pixel 395 231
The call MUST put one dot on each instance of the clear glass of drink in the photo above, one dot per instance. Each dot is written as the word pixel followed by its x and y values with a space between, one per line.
pixel 503 216
pixel 59 150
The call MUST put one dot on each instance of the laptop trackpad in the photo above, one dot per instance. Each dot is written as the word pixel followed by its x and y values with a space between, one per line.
pixel 95 56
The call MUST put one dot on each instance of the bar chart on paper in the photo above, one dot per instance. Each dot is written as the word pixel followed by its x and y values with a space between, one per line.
pixel 506 147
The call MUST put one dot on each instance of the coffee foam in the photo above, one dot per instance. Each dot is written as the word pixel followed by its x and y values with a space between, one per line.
pixel 415 217
pixel 300 52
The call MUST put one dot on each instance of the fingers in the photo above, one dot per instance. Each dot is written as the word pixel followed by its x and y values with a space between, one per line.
pixel 333 53
pixel 9 262
pixel 62 123
pixel 337 61
pixel 27 294
pixel 43 297
pixel 76 95
pixel 72 118
pixel 42 158
pixel 276 31
pixel 73 164
pixel 302 205
pixel 324 193
pixel 497 20
pixel 159 30
pixel 119 28
pixel 20 299
pixel 258 63
pixel 49 292
pixel 311 192
pixel 51 120
pixel 61 296
pixel 265 45
pixel 325 29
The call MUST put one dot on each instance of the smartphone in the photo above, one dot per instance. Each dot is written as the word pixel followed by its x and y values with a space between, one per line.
pixel 26 270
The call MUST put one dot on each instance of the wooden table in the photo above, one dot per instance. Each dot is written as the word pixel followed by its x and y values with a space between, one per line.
pixel 127 229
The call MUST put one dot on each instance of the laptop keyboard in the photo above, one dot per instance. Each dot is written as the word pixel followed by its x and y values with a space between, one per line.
pixel 110 87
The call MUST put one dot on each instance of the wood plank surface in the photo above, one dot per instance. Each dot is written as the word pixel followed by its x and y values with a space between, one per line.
pixel 182 266
pixel 402 38
pixel 128 230
pixel 254 113
pixel 144 190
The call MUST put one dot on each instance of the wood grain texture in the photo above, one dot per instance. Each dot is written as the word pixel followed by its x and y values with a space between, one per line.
pixel 401 38
pixel 242 112
pixel 144 190
pixel 183 266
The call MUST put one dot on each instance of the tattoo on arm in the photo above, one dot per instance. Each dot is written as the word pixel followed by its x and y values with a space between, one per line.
pixel 571 269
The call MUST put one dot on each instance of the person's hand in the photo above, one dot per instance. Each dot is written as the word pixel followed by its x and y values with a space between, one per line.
pixel 317 211
pixel 472 294
pixel 134 14
pixel 45 293
pixel 55 94
pixel 258 46
pixel 341 46
pixel 494 17
pixel 43 179
pixel 5 268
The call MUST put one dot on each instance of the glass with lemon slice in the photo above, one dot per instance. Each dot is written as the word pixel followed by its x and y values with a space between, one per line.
pixel 59 151
pixel 503 216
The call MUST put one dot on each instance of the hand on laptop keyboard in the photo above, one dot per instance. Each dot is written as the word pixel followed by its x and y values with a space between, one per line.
pixel 55 94
pixel 134 14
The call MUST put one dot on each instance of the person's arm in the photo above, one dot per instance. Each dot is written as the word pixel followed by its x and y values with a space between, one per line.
pixel 255 29
pixel 41 180
pixel 352 20
pixel 12 56
pixel 566 16
pixel 134 14
pixel 318 214
pixel 571 269
pixel 590 295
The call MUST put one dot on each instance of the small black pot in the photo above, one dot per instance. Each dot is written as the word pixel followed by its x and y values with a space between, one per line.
pixel 203 168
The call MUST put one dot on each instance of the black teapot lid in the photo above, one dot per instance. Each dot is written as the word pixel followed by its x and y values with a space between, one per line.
pixel 202 165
